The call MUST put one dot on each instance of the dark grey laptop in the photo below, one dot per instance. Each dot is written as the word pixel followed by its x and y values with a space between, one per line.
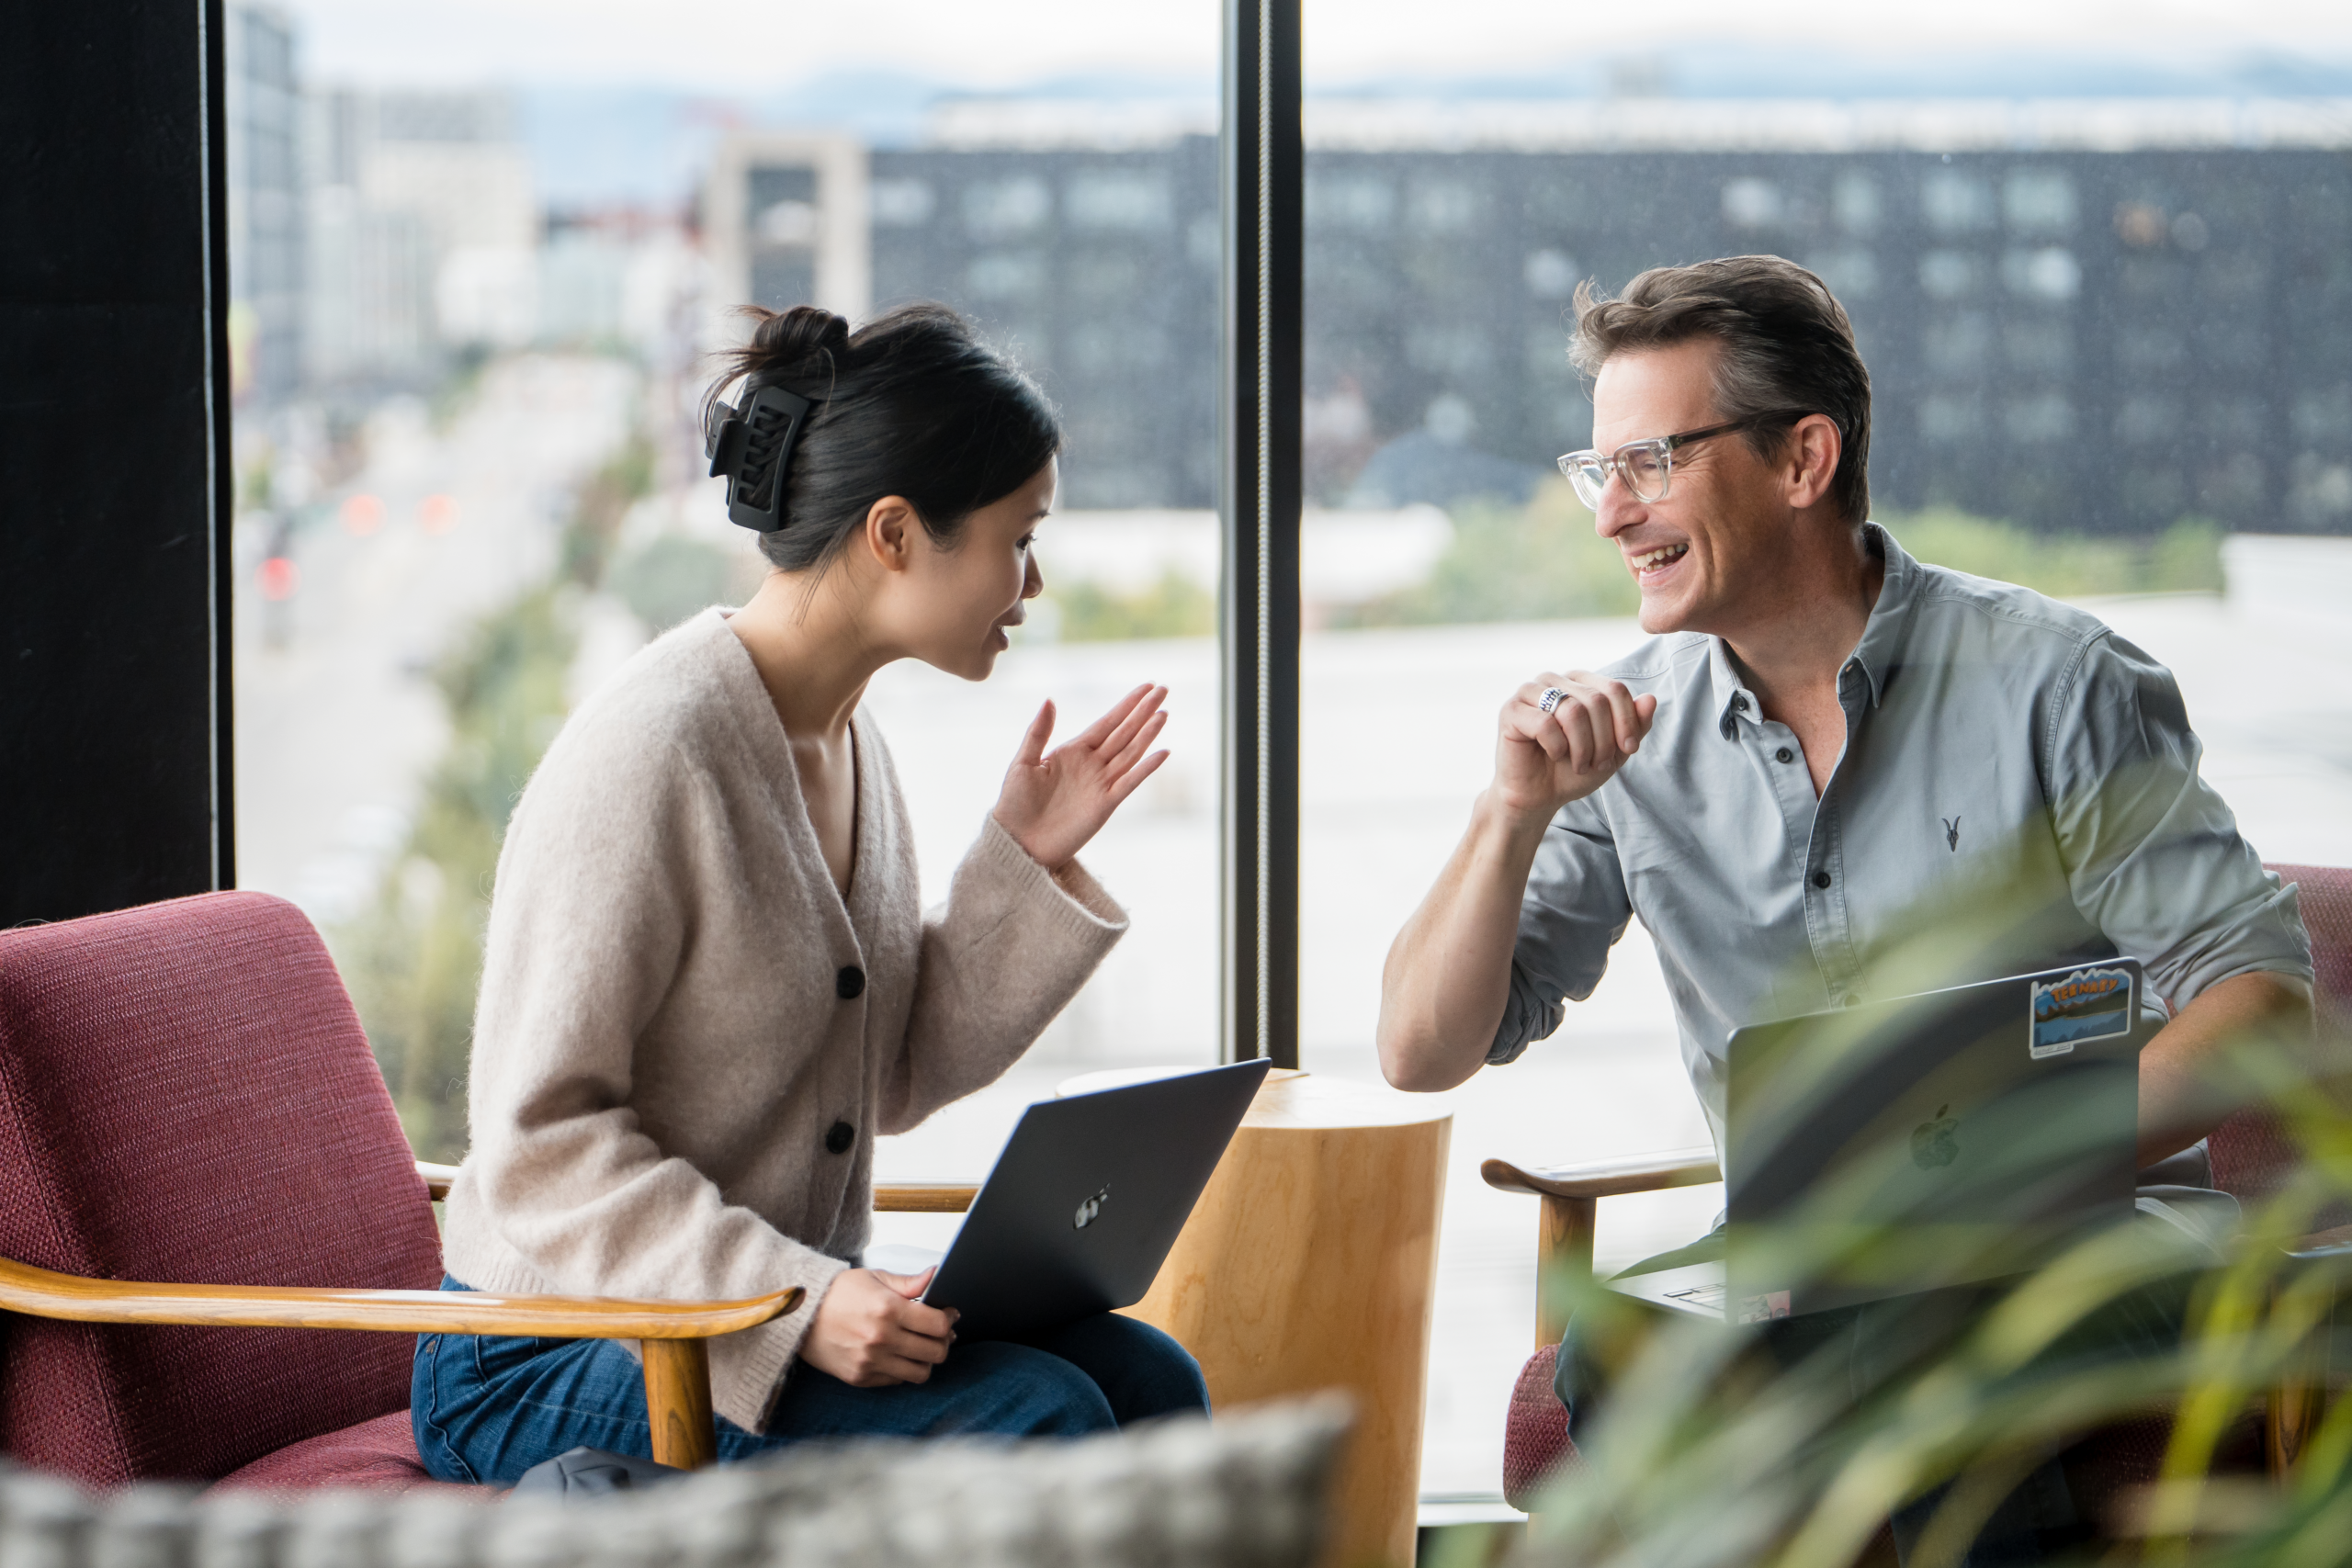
pixel 1949 1138
pixel 1080 1209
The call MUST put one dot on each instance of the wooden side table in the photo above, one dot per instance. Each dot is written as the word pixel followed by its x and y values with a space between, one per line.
pixel 1311 1263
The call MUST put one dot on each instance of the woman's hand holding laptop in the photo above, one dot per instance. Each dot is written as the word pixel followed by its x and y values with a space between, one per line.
pixel 872 1331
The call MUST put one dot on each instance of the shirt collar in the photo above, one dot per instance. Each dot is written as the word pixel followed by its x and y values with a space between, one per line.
pixel 1879 653
pixel 1876 656
pixel 1731 698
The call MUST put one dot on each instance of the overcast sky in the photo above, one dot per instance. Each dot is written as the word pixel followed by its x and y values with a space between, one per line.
pixel 736 46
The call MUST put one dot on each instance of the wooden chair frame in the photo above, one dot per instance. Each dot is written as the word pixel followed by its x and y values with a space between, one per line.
pixel 671 1334
pixel 1571 1197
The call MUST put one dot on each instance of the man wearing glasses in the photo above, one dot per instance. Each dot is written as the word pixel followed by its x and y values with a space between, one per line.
pixel 1829 755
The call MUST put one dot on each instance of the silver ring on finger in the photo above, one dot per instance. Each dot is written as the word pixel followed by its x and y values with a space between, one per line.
pixel 1550 699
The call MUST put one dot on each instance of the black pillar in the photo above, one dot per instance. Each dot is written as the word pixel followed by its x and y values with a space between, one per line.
pixel 114 446
pixel 1262 168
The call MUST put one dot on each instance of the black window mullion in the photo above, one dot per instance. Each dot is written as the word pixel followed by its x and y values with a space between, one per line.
pixel 1260 177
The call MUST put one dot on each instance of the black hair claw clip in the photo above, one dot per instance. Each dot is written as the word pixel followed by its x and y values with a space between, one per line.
pixel 753 449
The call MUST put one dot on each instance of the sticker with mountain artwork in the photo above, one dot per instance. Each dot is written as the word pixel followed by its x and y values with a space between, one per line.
pixel 2089 1004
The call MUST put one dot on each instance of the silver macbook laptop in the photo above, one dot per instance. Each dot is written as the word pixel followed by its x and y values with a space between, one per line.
pixel 1080 1209
pixel 1949 1138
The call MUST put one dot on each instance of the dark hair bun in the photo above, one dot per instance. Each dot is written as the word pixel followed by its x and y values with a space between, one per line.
pixel 912 404
pixel 784 341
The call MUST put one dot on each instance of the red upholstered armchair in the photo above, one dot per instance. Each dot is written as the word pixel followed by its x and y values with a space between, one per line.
pixel 185 1096
pixel 2251 1158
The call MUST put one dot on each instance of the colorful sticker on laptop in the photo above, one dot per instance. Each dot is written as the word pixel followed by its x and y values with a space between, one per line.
pixel 1764 1308
pixel 2089 1004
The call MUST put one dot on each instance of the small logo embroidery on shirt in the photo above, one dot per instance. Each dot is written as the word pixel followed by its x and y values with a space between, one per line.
pixel 1951 832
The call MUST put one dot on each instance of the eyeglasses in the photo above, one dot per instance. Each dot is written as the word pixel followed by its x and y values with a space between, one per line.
pixel 1647 467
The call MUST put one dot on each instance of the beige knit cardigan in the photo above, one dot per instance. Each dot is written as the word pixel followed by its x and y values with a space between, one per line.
pixel 686 1042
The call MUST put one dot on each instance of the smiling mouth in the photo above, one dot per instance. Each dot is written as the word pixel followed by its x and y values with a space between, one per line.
pixel 1651 561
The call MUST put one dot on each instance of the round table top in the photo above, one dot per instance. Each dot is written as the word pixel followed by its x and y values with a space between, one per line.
pixel 1294 1099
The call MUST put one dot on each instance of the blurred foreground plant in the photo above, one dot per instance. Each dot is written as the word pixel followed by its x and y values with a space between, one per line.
pixel 1705 1456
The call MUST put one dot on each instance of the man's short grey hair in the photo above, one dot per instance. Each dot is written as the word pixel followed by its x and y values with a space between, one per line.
pixel 1784 342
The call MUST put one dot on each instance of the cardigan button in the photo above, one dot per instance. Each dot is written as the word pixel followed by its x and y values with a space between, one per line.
pixel 849 985
pixel 841 1134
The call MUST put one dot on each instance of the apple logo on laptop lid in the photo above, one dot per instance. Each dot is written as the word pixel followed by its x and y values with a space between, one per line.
pixel 1931 1141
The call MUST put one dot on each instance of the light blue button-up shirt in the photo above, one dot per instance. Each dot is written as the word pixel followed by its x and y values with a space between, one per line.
pixel 2018 790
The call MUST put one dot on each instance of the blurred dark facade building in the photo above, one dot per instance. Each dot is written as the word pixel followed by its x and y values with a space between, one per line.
pixel 1099 270
pixel 2101 316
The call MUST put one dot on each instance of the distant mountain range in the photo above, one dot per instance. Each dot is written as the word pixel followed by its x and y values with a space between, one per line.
pixel 604 146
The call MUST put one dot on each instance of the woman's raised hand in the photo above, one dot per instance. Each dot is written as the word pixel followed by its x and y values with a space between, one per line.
pixel 1055 801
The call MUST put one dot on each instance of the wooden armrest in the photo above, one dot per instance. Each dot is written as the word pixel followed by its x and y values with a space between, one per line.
pixel 39 1292
pixel 898 1197
pixel 1571 1194
pixel 1608 1178
pixel 924 1198
pixel 2329 1243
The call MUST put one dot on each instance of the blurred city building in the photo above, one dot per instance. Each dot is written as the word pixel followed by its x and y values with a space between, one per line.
pixel 621 278
pixel 265 222
pixel 379 236
pixel 2094 315
pixel 2086 315
pixel 424 230
pixel 1094 261
pixel 785 220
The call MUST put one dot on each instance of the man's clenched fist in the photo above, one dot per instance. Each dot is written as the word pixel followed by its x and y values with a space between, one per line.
pixel 1542 761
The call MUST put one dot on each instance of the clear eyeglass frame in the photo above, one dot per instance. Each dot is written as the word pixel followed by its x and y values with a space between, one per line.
pixel 1647 467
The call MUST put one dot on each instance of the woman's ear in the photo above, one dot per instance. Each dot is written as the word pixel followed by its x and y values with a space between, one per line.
pixel 890 530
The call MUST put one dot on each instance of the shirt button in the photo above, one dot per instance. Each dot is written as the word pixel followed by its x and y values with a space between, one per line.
pixel 1820 879
pixel 1784 755
pixel 1850 1001
pixel 849 985
pixel 841 1134
pixel 1739 701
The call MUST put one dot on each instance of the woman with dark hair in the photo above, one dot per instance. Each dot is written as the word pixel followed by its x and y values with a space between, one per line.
pixel 708 983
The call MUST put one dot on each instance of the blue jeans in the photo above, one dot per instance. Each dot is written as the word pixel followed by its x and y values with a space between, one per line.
pixel 487 1408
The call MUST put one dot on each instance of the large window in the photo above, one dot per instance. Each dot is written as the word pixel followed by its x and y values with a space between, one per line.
pixel 2100 283
pixel 476 289
pixel 2100 288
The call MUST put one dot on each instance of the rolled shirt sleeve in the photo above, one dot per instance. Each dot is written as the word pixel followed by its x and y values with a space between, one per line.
pixel 2153 854
pixel 1574 908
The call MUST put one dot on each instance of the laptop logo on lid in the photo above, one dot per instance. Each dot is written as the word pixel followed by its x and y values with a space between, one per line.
pixel 1089 1209
pixel 1932 1145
